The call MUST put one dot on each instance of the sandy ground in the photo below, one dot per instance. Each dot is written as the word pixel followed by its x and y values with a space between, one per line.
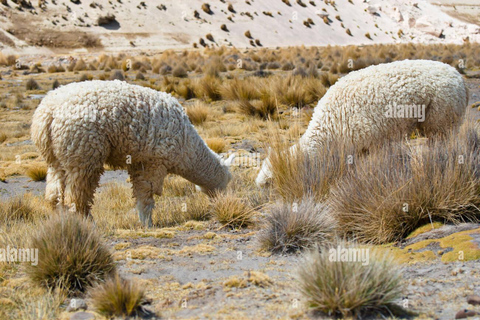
pixel 171 24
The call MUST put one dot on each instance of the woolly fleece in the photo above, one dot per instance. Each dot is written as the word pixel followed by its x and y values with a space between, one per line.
pixel 355 108
pixel 82 126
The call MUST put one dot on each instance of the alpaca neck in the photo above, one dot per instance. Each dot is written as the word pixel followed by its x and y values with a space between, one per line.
pixel 198 164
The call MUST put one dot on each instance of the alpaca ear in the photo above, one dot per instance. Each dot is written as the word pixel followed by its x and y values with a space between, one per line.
pixel 230 159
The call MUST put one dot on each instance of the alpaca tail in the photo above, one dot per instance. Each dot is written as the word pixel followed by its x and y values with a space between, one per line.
pixel 41 133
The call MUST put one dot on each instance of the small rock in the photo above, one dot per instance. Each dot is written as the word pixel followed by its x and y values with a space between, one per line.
pixel 77 304
pixel 463 314
pixel 82 316
pixel 475 300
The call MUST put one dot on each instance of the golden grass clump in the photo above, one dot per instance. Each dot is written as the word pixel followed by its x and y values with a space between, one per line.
pixel 349 287
pixel 197 113
pixel 118 297
pixel 216 144
pixel 208 88
pixel 72 255
pixel 37 172
pixel 175 211
pixel 297 174
pixel 398 188
pixel 3 137
pixel 232 211
pixel 22 208
pixel 290 227
pixel 32 85
pixel 113 208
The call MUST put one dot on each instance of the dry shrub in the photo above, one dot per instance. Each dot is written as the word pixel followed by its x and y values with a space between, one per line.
pixel 3 137
pixel 105 19
pixel 22 208
pixel 185 89
pixel 37 172
pixel 238 89
pixel 117 75
pixel 72 255
pixel 290 227
pixel 349 288
pixel 176 186
pixel 399 188
pixel 216 144
pixel 171 212
pixel 206 8
pixel 197 113
pixel 118 297
pixel 179 72
pixel 208 88
pixel 232 211
pixel 32 85
pixel 113 208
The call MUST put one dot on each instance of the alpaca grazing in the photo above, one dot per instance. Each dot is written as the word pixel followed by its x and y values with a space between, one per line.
pixel 82 126
pixel 382 103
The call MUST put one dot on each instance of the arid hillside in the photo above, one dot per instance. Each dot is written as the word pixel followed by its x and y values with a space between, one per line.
pixel 156 25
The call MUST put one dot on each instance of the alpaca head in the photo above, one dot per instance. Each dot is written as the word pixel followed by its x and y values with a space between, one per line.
pixel 223 178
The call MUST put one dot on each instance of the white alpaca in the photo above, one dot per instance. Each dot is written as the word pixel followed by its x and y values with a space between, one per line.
pixel 384 102
pixel 82 126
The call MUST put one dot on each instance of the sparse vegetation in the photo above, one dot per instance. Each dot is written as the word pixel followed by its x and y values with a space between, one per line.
pixel 198 113
pixel 290 227
pixel 408 186
pixel 206 8
pixel 118 297
pixel 32 85
pixel 37 173
pixel 232 211
pixel 364 287
pixel 69 235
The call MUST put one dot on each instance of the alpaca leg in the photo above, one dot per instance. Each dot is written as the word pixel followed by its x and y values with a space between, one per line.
pixel 80 188
pixel 55 186
pixel 146 183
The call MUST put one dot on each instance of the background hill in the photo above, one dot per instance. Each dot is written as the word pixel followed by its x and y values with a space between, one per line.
pixel 119 25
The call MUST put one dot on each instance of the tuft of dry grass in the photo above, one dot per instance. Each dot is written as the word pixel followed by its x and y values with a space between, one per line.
pixel 290 227
pixel 37 172
pixel 197 113
pixel 72 255
pixel 232 211
pixel 208 88
pixel 297 174
pixel 118 297
pixel 3 137
pixel 32 85
pixel 179 72
pixel 21 208
pixel 349 288
pixel 216 144
pixel 172 212
pixel 401 187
